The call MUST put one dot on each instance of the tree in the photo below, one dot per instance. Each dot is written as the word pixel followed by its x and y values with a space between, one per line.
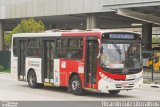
pixel 25 26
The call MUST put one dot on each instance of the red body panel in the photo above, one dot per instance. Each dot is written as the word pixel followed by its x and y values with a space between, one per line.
pixel 98 34
pixel 72 65
pixel 112 76
pixel 67 67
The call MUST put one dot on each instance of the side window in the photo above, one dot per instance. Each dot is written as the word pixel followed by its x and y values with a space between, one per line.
pixel 34 48
pixel 75 43
pixel 69 48
pixel 75 48
pixel 15 46
pixel 34 43
pixel 61 53
pixel 58 43
pixel 61 48
pixel 61 43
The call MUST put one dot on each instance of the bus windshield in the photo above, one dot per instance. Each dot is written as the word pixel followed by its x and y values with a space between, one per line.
pixel 126 57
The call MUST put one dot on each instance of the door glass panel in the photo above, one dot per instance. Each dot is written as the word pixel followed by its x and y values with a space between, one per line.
pixel 49 58
pixel 91 58
pixel 21 58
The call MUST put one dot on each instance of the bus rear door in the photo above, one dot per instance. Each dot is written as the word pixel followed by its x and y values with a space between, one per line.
pixel 22 47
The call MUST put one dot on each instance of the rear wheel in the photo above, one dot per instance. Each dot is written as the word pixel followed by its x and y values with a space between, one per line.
pixel 75 85
pixel 113 92
pixel 32 80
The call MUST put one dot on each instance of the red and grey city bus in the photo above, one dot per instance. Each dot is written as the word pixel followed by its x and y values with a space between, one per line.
pixel 104 61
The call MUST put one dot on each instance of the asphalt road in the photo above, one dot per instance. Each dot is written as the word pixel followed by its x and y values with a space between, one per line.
pixel 13 90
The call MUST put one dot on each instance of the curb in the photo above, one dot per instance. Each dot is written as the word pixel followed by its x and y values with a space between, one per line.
pixel 5 72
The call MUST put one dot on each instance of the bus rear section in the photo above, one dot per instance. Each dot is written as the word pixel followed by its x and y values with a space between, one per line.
pixel 99 61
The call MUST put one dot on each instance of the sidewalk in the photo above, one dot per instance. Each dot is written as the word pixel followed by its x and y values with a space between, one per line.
pixel 7 76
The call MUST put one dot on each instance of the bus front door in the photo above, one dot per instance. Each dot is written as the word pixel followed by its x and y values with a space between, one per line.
pixel 49 54
pixel 91 61
pixel 21 59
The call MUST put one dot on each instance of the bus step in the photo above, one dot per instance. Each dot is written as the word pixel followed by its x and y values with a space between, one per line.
pixel 48 84
pixel 47 80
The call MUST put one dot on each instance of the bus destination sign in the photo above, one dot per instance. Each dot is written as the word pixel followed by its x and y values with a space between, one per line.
pixel 121 36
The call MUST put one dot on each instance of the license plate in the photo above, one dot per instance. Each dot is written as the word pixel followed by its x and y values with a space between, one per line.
pixel 125 84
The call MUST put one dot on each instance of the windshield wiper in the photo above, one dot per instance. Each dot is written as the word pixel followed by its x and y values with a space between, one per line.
pixel 117 48
pixel 135 69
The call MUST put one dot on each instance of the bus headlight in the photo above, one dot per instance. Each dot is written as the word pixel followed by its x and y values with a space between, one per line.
pixel 102 75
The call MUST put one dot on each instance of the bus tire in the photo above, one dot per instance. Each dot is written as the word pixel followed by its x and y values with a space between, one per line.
pixel 113 92
pixel 75 85
pixel 32 79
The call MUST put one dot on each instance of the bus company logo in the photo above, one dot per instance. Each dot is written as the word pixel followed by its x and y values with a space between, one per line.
pixel 9 104
pixel 33 63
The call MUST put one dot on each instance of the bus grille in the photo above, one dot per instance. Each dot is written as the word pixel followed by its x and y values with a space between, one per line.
pixel 130 79
pixel 121 86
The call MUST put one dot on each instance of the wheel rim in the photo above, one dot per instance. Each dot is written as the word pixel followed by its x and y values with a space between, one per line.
pixel 32 79
pixel 75 84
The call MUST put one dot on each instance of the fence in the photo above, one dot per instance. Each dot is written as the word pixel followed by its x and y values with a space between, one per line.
pixel 5 59
pixel 151 75
pixel 151 64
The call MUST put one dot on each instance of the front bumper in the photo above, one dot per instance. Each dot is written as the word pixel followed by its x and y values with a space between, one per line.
pixel 104 85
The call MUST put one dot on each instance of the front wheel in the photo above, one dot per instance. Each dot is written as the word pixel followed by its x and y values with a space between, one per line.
pixel 113 92
pixel 75 85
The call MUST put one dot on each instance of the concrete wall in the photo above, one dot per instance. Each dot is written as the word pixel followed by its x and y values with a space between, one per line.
pixel 31 8
pixel 116 2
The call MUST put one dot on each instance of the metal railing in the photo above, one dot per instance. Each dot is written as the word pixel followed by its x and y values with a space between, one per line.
pixel 151 64
pixel 6 47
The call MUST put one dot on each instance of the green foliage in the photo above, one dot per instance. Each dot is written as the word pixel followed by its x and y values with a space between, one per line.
pixel 3 69
pixel 25 26
pixel 156 40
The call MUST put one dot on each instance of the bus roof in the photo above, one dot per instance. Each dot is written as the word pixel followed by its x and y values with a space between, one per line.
pixel 59 33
